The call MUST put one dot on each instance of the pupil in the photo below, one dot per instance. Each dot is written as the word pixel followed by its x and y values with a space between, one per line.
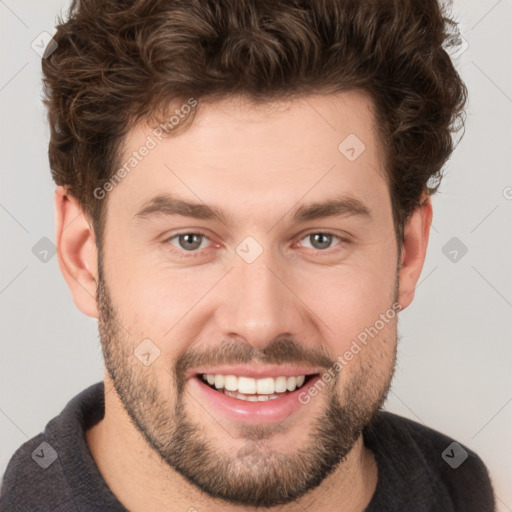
pixel 322 244
pixel 189 241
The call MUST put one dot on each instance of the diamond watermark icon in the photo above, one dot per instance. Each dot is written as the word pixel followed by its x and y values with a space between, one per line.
pixel 44 45
pixel 249 249
pixel 351 147
pixel 44 250
pixel 454 455
pixel 455 45
pixel 45 455
pixel 146 352
pixel 454 249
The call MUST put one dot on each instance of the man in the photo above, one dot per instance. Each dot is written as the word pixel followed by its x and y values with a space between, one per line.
pixel 243 202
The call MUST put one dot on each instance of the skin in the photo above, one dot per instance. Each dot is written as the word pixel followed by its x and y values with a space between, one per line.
pixel 258 163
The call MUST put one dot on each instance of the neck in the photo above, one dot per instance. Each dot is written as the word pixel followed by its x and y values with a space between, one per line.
pixel 142 482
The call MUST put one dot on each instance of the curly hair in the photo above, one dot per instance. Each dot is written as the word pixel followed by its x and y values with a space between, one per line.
pixel 118 62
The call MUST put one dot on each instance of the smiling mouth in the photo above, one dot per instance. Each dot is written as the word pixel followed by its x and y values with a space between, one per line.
pixel 255 390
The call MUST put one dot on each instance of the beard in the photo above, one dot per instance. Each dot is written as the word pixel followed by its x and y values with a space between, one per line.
pixel 255 475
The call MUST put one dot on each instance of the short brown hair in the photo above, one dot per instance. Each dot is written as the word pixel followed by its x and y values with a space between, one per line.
pixel 118 62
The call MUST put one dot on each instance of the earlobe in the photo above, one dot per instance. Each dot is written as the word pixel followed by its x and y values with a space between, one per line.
pixel 76 251
pixel 414 249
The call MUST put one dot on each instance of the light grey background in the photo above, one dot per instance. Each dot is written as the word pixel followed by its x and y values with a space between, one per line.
pixel 455 355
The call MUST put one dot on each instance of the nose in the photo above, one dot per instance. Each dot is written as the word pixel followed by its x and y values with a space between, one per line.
pixel 259 302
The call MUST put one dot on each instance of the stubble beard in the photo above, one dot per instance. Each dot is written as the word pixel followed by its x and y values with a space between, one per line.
pixel 255 475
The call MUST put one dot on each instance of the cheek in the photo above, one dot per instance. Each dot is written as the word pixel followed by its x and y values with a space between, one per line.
pixel 356 304
pixel 149 299
pixel 350 300
pixel 366 369
pixel 162 306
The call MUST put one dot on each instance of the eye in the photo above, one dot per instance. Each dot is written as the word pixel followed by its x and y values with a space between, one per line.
pixel 191 243
pixel 321 240
pixel 188 242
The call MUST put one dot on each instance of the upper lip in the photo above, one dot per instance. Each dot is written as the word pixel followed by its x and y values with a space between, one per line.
pixel 256 372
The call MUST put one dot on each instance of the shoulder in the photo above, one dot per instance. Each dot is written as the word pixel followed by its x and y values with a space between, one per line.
pixel 54 470
pixel 418 455
pixel 34 479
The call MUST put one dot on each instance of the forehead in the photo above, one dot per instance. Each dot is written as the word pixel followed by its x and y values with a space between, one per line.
pixel 239 153
pixel 239 125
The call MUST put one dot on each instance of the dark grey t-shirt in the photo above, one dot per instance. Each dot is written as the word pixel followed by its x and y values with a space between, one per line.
pixel 55 471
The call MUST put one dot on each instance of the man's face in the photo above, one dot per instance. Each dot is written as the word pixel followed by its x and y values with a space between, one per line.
pixel 262 292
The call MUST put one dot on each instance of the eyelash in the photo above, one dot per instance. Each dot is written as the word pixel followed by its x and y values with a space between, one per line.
pixel 196 252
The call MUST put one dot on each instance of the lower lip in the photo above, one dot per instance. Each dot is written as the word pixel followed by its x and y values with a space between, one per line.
pixel 253 412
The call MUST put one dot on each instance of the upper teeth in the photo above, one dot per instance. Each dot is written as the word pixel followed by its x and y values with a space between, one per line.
pixel 248 385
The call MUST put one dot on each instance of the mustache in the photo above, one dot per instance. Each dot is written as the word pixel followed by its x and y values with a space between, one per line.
pixel 282 350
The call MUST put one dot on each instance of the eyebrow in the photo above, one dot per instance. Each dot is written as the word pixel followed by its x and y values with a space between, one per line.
pixel 169 205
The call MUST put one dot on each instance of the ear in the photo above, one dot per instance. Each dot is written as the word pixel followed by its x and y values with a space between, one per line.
pixel 414 249
pixel 76 251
